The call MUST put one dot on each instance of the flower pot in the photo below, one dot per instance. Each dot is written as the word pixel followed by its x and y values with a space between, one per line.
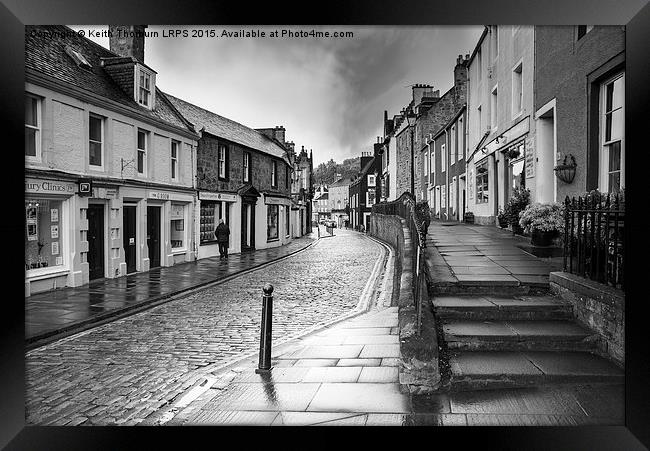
pixel 542 238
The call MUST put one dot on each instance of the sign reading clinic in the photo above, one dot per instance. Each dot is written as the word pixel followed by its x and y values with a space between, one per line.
pixel 49 186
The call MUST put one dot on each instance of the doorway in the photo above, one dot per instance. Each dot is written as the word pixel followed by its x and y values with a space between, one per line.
pixel 95 218
pixel 153 236
pixel 129 236
pixel 247 227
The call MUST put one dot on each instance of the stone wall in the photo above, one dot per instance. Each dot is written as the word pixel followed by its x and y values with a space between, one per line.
pixel 419 370
pixel 598 307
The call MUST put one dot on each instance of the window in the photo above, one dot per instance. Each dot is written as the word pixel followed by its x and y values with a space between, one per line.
pixel 453 151
pixel 426 163
pixel 286 176
pixel 433 162
pixel 480 120
pixel 95 138
pixel 443 158
pixel 274 174
pixel 287 222
pixel 482 190
pixel 174 156
pixel 370 198
pixel 210 213
pixel 495 41
pixel 145 88
pixel 461 139
pixel 452 193
pixel 612 137
pixel 371 180
pixel 583 30
pixel 247 165
pixel 142 151
pixel 43 233
pixel 493 109
pixel 32 127
pixel 177 226
pixel 479 64
pixel 517 89
pixel 271 222
pixel 222 159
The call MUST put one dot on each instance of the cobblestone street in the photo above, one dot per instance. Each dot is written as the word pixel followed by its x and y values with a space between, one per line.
pixel 122 372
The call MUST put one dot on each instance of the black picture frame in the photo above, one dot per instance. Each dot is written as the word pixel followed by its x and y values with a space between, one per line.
pixel 635 14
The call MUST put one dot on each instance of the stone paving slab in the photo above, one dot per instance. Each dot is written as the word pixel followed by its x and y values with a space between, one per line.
pixel 573 364
pixel 492 363
pixel 366 397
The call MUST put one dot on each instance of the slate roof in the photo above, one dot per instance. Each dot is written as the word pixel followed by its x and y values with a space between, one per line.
pixel 341 182
pixel 227 128
pixel 45 53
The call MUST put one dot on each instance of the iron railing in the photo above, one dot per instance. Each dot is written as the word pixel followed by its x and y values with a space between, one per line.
pixel 594 245
pixel 417 219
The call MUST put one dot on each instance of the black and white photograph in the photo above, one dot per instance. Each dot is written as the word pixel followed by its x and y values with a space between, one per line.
pixel 326 225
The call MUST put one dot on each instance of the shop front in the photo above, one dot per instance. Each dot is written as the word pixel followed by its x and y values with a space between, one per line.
pixel 50 235
pixel 277 211
pixel 214 206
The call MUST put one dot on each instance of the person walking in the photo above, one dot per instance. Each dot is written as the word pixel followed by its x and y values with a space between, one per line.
pixel 222 233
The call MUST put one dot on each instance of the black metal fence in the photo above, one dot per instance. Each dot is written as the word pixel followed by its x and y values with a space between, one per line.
pixel 594 245
pixel 406 207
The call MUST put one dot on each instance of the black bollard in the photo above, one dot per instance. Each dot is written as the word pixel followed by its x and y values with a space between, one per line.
pixel 265 333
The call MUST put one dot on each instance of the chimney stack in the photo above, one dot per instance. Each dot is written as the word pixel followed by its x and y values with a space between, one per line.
pixel 419 91
pixel 127 40
pixel 460 71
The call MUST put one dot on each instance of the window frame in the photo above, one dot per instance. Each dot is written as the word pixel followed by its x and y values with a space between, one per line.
pixel 37 157
pixel 222 147
pixel 604 144
pixel 461 138
pixel 443 157
pixel 274 174
pixel 246 166
pixel 518 68
pixel 374 180
pixel 494 108
pixel 144 152
pixel 146 75
pixel 102 133
pixel 484 182
pixel 452 145
pixel 174 159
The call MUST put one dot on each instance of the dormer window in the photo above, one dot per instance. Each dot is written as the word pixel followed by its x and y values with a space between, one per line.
pixel 145 87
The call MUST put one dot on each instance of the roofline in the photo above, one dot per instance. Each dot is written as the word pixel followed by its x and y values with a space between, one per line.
pixel 273 141
pixel 478 45
pixel 49 82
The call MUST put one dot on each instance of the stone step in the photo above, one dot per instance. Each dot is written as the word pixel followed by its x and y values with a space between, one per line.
pixel 476 370
pixel 495 287
pixel 489 307
pixel 555 335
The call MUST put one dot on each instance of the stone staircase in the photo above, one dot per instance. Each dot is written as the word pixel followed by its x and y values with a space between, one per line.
pixel 509 340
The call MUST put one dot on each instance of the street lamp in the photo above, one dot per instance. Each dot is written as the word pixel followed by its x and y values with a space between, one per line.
pixel 411 118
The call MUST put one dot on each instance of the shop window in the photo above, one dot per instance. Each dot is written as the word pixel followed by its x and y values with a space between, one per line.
pixel 43 233
pixel 272 222
pixel 95 140
pixel 32 127
pixel 482 187
pixel 177 226
pixel 209 217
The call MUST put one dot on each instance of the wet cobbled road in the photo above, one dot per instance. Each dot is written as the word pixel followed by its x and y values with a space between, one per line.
pixel 122 372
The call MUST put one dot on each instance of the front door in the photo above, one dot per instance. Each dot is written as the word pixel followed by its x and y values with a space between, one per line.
pixel 129 221
pixel 95 241
pixel 247 227
pixel 153 236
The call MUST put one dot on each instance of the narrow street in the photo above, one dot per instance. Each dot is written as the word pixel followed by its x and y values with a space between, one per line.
pixel 122 372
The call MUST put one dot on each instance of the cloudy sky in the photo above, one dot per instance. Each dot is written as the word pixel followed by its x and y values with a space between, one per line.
pixel 329 93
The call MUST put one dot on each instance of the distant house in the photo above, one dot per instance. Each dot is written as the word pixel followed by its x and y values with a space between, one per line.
pixel 109 162
pixel 339 201
pixel 321 208
pixel 362 192
pixel 302 190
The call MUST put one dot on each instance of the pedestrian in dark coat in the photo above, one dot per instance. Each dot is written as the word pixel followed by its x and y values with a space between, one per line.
pixel 222 233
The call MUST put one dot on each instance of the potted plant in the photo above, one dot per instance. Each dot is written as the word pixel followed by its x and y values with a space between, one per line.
pixel 516 204
pixel 469 217
pixel 544 222
pixel 502 217
pixel 567 170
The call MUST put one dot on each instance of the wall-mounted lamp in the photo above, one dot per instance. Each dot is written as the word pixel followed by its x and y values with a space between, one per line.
pixel 500 138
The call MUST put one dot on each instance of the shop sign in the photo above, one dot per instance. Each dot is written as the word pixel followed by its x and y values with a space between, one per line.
pixel 177 212
pixel 85 187
pixel 224 197
pixel 530 162
pixel 158 195
pixel 104 193
pixel 277 201
pixel 33 186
